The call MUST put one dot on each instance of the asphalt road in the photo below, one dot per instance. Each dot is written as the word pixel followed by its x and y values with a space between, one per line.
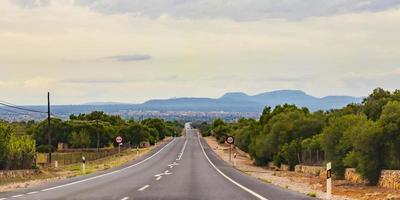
pixel 185 168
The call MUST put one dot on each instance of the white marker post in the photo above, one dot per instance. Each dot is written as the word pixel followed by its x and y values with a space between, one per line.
pixel 83 165
pixel 234 159
pixel 329 180
pixel 119 149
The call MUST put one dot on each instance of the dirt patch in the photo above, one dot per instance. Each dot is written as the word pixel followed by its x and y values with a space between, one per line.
pixel 300 182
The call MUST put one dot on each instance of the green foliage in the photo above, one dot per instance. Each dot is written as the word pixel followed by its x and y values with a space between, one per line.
pixel 100 127
pixel 390 122
pixel 96 129
pixel 220 130
pixel 365 136
pixel 80 139
pixel 159 126
pixel 291 153
pixel 16 152
pixel 204 127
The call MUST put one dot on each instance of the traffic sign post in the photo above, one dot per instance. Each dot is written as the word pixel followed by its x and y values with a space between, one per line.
pixel 230 140
pixel 329 180
pixel 119 141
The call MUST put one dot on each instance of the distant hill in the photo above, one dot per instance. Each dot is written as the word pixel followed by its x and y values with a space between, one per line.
pixel 103 103
pixel 241 102
pixel 229 102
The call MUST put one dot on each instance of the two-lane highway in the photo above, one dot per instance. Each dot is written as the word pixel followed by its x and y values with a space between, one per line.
pixel 185 168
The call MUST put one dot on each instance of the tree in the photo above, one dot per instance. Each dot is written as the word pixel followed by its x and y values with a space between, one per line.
pixel 369 148
pixel 390 122
pixel 220 130
pixel 80 139
pixel 157 124
pixel 16 152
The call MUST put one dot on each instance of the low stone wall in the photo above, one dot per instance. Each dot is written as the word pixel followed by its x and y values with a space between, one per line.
pixel 283 167
pixel 17 173
pixel 390 179
pixel 352 176
pixel 314 170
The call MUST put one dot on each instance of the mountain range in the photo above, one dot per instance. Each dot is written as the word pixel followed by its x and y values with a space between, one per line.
pixel 242 102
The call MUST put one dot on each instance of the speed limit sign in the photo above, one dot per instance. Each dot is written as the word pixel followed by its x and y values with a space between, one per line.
pixel 230 140
pixel 118 139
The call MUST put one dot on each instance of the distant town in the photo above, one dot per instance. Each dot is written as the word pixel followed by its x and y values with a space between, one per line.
pixel 140 115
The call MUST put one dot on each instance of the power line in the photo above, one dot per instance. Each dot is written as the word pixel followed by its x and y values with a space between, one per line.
pixel 12 111
pixel 21 108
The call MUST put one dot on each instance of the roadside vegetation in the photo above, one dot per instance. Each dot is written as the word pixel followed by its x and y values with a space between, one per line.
pixel 364 136
pixel 20 142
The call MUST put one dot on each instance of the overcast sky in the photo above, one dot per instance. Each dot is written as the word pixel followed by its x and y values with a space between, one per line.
pixel 135 50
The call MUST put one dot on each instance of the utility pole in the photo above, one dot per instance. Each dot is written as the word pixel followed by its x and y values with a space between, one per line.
pixel 98 136
pixel 48 127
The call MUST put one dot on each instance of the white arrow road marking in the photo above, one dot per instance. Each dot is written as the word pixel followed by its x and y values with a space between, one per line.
pixel 143 188
pixel 167 173
pixel 159 176
pixel 172 165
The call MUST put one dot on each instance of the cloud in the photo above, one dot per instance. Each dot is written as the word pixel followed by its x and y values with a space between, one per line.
pixel 128 58
pixel 118 80
pixel 38 82
pixel 239 10
pixel 31 3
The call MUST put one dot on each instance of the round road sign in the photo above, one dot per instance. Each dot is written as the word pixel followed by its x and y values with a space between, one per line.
pixel 230 140
pixel 118 139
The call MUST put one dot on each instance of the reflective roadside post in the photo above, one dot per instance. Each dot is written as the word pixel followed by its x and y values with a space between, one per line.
pixel 119 149
pixel 83 165
pixel 329 180
pixel 234 159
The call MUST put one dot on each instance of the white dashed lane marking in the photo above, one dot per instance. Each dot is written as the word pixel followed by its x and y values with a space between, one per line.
pixel 125 198
pixel 143 188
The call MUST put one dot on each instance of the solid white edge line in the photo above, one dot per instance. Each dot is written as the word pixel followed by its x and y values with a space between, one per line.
pixel 113 172
pixel 227 177
pixel 143 188
pixel 32 192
